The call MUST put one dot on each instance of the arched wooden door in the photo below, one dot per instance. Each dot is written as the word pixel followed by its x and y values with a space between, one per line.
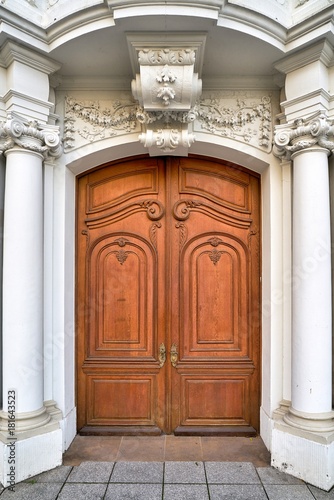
pixel 168 298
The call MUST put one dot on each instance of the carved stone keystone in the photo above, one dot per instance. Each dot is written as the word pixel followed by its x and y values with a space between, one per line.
pixel 167 86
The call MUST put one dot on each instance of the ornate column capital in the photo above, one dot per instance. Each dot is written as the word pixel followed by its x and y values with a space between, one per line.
pixel 316 130
pixel 30 135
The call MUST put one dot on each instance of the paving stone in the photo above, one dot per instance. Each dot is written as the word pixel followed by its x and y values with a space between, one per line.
pixel 184 472
pixel 186 492
pixel 83 491
pixel 137 472
pixel 134 491
pixel 36 491
pixel 269 475
pixel 321 494
pixel 288 492
pixel 57 475
pixel 91 472
pixel 231 473
pixel 237 492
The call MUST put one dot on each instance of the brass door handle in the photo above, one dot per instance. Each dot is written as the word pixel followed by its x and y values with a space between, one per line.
pixel 162 355
pixel 173 355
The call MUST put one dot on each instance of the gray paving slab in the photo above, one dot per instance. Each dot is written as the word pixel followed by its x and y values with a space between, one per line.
pixel 186 492
pixel 134 491
pixel 91 472
pixel 57 475
pixel 237 492
pixel 35 491
pixel 288 492
pixel 231 473
pixel 83 491
pixel 137 472
pixel 321 494
pixel 184 472
pixel 269 475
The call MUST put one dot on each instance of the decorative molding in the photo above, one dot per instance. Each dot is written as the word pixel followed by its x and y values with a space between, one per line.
pixel 215 256
pixel 241 116
pixel 30 135
pixel 94 121
pixel 320 51
pixel 301 2
pixel 183 208
pixel 166 56
pixel 183 233
pixel 121 256
pixel 166 79
pixel 167 140
pixel 153 208
pixel 244 117
pixel 315 130
pixel 153 233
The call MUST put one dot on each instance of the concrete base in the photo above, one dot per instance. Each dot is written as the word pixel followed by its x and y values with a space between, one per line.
pixel 306 455
pixel 69 428
pixel 266 424
pixel 25 458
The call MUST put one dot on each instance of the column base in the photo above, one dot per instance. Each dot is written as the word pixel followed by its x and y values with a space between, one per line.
pixel 301 451
pixel 33 447
pixel 314 422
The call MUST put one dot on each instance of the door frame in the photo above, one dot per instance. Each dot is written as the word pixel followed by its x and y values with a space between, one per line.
pixel 59 213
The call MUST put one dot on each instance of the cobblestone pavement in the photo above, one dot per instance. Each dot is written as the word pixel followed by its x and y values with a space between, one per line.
pixel 169 480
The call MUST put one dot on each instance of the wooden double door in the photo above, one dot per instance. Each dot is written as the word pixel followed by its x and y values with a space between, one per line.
pixel 168 294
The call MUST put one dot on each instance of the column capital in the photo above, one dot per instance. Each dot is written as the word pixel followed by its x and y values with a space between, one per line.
pixel 302 134
pixel 30 135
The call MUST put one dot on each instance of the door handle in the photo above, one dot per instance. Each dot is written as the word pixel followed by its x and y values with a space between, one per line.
pixel 162 355
pixel 173 355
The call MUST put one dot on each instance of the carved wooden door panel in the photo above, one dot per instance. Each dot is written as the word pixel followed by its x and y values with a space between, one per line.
pixel 214 298
pixel 168 298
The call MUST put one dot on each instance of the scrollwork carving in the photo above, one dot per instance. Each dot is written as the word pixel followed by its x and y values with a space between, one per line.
pixel 244 118
pixel 250 119
pixel 215 256
pixel 121 242
pixel 121 256
pixel 183 208
pixel 152 212
pixel 167 140
pixel 153 233
pixel 183 233
pixel 215 241
pixel 316 130
pixel 33 136
pixel 92 121
pixel 153 208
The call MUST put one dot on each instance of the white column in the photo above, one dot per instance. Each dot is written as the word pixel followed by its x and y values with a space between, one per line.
pixel 311 402
pixel 24 145
pixel 308 143
pixel 23 283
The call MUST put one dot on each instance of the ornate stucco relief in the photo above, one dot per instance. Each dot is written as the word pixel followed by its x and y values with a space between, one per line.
pixel 91 121
pixel 242 116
